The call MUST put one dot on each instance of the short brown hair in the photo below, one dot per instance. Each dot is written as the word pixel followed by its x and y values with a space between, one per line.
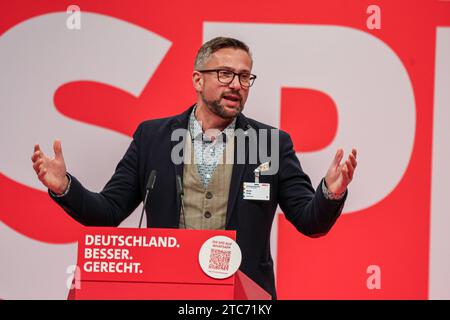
pixel 215 44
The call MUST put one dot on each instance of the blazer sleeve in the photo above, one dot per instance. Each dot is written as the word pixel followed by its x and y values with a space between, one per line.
pixel 118 199
pixel 308 210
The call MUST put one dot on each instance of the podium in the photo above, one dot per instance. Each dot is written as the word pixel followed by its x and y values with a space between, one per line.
pixel 154 264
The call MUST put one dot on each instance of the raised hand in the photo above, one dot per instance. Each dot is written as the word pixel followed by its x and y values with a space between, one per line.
pixel 51 171
pixel 340 175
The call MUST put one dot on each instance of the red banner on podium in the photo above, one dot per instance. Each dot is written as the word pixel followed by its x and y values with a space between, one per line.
pixel 128 263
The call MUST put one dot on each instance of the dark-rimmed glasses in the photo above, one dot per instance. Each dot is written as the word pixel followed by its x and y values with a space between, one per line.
pixel 227 76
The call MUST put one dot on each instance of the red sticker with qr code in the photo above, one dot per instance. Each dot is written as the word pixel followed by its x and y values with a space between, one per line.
pixel 220 257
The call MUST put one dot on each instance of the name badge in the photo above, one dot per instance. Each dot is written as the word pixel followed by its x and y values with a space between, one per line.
pixel 256 191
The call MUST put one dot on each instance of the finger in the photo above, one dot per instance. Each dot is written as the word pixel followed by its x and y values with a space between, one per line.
pixel 37 152
pixel 354 152
pixel 349 165
pixel 338 157
pixel 42 174
pixel 38 155
pixel 58 149
pixel 41 167
pixel 340 168
pixel 35 156
pixel 352 159
pixel 37 165
pixel 345 174
pixel 350 170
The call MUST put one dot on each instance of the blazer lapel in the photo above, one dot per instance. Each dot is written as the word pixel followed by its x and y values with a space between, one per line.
pixel 238 170
pixel 180 122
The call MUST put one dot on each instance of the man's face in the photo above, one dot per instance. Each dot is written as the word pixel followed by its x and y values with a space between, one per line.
pixel 224 100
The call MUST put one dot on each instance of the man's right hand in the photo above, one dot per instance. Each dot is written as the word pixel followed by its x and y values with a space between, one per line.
pixel 51 171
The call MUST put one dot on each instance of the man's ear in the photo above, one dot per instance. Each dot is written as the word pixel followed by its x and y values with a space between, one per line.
pixel 197 81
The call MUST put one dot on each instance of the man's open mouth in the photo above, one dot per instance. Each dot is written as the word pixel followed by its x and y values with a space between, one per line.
pixel 232 97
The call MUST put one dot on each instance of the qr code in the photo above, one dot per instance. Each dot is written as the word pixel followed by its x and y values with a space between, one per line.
pixel 219 260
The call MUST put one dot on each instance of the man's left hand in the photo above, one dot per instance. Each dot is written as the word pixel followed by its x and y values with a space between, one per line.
pixel 340 175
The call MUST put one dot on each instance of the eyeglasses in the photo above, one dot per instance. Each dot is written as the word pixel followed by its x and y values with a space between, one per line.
pixel 227 76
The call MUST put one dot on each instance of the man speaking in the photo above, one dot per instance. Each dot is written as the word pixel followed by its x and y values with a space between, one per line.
pixel 211 168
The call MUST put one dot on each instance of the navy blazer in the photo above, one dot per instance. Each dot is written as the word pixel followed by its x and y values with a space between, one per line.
pixel 308 210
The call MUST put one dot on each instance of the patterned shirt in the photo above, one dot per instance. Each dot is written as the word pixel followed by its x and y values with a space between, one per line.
pixel 207 151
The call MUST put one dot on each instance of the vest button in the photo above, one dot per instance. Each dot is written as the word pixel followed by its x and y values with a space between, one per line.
pixel 209 195
pixel 207 214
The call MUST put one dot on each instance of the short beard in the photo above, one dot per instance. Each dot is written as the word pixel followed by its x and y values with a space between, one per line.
pixel 219 110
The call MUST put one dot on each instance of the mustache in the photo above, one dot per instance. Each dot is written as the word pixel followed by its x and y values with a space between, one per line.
pixel 235 93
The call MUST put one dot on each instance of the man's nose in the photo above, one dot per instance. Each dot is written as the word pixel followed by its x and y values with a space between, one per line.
pixel 235 84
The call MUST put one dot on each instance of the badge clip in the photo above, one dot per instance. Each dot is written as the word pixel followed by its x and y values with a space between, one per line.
pixel 261 168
